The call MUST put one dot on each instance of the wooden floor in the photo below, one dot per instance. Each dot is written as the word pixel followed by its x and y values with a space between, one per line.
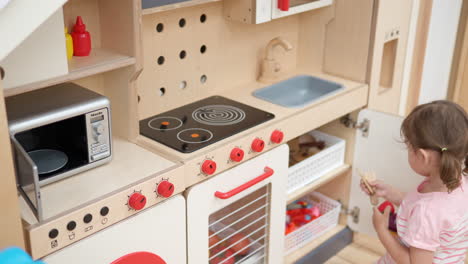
pixel 363 250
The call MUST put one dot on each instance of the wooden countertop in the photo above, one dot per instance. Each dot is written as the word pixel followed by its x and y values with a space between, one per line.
pixel 130 164
pixel 243 94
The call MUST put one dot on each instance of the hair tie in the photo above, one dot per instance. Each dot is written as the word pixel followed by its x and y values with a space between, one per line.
pixel 443 149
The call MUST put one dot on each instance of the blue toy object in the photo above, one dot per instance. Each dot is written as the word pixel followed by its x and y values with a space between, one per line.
pixel 16 255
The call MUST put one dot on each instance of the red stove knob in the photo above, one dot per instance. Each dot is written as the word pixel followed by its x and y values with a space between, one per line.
pixel 137 201
pixel 208 167
pixel 258 145
pixel 165 189
pixel 277 136
pixel 237 154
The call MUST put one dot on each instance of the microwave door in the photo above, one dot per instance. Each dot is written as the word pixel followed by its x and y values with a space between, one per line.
pixel 27 179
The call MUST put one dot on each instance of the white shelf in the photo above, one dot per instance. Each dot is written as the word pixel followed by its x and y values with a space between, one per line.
pixel 319 182
pixel 299 6
pixel 99 61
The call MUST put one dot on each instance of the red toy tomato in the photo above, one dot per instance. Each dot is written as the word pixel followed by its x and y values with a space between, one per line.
pixel 290 227
pixel 226 256
pixel 242 248
pixel 213 239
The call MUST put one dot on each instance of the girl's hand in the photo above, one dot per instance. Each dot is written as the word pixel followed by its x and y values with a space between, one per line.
pixel 380 220
pixel 385 191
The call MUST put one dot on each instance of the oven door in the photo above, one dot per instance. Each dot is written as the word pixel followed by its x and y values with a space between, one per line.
pixel 154 236
pixel 239 216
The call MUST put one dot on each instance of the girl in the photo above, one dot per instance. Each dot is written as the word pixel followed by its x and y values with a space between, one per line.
pixel 432 220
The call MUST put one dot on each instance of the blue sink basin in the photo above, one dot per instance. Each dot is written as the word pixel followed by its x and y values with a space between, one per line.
pixel 298 91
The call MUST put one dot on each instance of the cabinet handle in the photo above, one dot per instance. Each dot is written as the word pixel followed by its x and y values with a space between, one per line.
pixel 268 172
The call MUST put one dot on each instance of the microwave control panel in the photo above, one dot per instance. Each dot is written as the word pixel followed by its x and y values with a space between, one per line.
pixel 98 132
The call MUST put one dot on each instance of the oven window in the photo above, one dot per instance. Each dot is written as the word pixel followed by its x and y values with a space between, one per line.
pixel 238 233
pixel 57 147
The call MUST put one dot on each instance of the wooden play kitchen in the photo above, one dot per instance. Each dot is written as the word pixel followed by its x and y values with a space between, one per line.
pixel 204 95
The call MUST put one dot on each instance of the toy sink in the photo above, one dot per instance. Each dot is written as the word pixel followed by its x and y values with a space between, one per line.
pixel 298 91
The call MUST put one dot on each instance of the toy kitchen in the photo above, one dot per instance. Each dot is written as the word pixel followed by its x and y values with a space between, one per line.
pixel 202 131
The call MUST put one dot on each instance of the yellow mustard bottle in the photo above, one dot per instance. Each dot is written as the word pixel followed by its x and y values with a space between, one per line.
pixel 69 43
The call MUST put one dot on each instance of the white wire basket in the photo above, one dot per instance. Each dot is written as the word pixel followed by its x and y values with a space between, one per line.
pixel 316 166
pixel 330 210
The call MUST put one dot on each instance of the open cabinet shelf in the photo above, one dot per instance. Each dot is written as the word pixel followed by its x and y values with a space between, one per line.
pixel 99 61
pixel 163 8
pixel 113 27
pixel 319 182
pixel 298 254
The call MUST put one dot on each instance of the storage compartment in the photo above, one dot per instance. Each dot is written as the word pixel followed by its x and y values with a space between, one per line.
pixel 111 26
pixel 260 11
pixel 238 232
pixel 114 31
pixel 304 171
pixel 328 219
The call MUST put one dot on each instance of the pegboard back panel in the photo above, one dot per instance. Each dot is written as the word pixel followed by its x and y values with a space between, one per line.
pixel 192 53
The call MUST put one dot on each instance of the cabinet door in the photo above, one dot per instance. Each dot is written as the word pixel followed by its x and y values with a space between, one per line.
pixel 383 152
pixel 392 22
pixel 153 236
pixel 250 223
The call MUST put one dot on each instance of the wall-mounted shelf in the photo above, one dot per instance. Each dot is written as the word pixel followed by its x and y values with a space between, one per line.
pixel 298 254
pixel 99 61
pixel 113 44
pixel 299 6
pixel 319 182
pixel 163 8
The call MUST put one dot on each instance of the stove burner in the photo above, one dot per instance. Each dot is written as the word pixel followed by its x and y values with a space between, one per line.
pixel 218 115
pixel 165 123
pixel 199 124
pixel 194 135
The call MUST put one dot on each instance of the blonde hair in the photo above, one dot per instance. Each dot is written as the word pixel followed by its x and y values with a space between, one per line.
pixel 441 126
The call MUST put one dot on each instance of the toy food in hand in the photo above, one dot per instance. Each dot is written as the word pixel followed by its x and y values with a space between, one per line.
pixel 225 257
pixel 242 247
pixel 366 178
pixel 386 204
pixel 392 218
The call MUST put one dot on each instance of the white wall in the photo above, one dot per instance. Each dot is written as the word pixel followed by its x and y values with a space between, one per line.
pixel 439 52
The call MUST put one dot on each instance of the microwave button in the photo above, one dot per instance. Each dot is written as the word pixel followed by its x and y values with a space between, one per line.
pixel 98 128
pixel 102 148
pixel 98 138
pixel 99 156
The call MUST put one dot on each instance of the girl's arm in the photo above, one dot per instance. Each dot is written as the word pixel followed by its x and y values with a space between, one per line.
pixel 395 249
pixel 399 253
pixel 418 255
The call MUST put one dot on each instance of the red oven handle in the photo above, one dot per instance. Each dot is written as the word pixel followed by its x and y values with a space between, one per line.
pixel 268 172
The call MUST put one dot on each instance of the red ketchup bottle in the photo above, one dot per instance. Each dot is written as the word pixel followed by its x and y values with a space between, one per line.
pixel 81 39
